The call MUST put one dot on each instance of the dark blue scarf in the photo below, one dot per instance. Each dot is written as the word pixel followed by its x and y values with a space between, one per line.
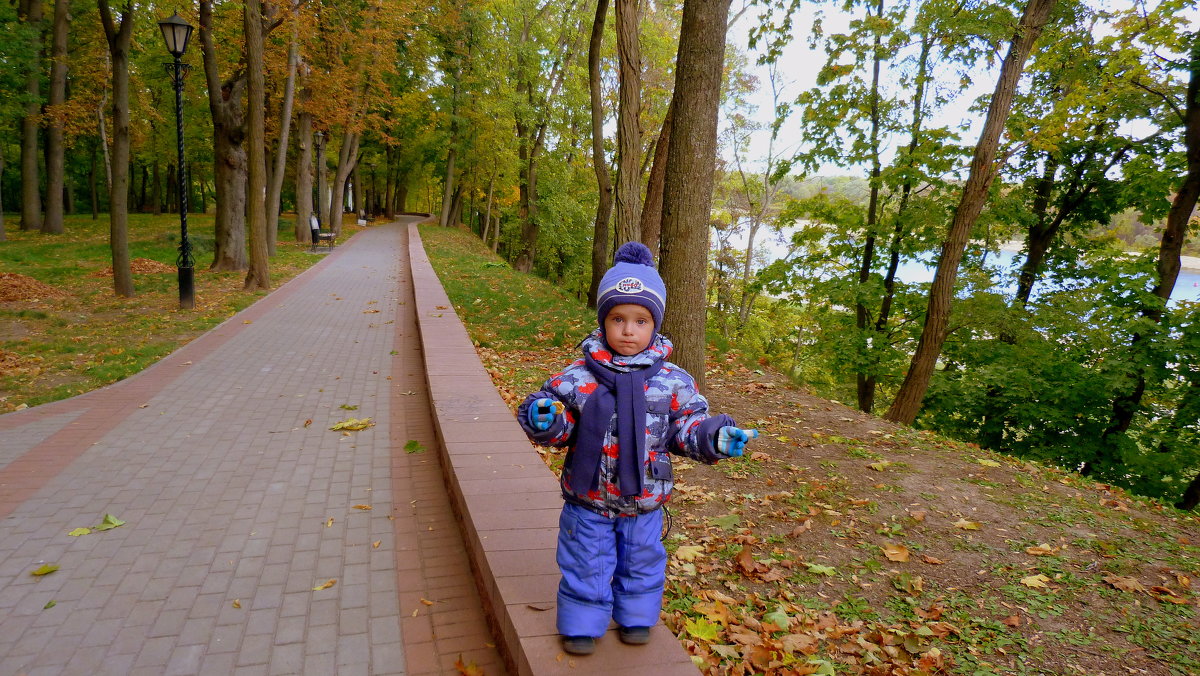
pixel 622 394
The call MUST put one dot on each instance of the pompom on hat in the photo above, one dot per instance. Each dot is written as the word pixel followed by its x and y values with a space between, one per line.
pixel 632 279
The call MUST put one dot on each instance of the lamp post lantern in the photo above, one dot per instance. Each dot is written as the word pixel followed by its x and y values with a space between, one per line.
pixel 176 33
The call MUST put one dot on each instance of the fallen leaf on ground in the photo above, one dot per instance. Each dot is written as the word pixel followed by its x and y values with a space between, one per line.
pixel 1012 620
pixel 988 463
pixel 1041 550
pixel 1124 583
pixel 79 531
pixel 427 602
pixel 375 544
pixel 328 583
pixel 353 424
pixel 413 446
pixel 45 569
pixel 967 525
pixel 1035 581
pixel 689 552
pixel 50 604
pixel 896 552
pixel 932 560
pixel 362 507
pixel 110 522
pixel 468 668
pixel 237 603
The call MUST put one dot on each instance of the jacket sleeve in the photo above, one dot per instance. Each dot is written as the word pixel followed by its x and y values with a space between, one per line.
pixel 559 387
pixel 695 431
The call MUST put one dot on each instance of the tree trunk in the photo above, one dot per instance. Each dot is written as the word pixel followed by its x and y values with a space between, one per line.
pixel 156 196
pixel 102 129
pixel 119 38
pixel 54 128
pixel 1125 406
pixel 322 183
pixel 1037 242
pixel 487 217
pixel 285 128
pixel 865 377
pixel 93 189
pixel 652 210
pixel 448 186
pixel 1175 234
pixel 31 200
pixel 389 184
pixel 629 130
pixel 304 180
pixel 3 234
pixel 983 171
pixel 354 185
pixel 258 276
pixel 688 185
pixel 600 257
pixel 229 153
pixel 347 160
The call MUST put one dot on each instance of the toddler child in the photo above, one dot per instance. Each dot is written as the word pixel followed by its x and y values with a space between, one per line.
pixel 621 411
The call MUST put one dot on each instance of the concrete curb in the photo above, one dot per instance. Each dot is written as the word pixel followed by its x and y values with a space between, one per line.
pixel 507 502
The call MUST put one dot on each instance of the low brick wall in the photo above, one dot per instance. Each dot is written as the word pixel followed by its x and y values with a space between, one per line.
pixel 508 502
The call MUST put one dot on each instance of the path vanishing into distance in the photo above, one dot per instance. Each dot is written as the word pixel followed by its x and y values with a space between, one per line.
pixel 255 540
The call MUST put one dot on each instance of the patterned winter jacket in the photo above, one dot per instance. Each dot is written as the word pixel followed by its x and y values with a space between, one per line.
pixel 677 421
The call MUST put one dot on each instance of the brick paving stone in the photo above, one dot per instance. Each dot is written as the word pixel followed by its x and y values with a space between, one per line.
pixel 227 493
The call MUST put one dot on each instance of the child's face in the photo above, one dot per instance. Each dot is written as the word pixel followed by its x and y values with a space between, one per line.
pixel 628 328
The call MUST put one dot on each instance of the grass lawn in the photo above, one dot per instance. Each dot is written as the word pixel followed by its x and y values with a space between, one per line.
pixel 68 333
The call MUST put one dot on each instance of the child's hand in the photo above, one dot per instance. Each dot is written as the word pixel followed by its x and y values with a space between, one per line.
pixel 732 440
pixel 542 413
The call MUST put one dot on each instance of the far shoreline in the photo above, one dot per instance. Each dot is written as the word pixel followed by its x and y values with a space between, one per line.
pixel 1189 263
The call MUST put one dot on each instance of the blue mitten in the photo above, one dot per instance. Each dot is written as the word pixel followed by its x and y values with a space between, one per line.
pixel 542 412
pixel 732 440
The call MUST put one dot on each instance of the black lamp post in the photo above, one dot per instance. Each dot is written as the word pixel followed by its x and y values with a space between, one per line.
pixel 176 32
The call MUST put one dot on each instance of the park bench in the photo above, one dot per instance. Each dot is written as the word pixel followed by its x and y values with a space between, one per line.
pixel 320 236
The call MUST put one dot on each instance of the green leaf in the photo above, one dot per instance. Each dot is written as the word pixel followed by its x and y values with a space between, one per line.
pixel 818 569
pixel 79 531
pixel 50 604
pixel 46 569
pixel 824 668
pixel 413 446
pixel 778 618
pixel 110 522
pixel 702 629
pixel 353 424
pixel 728 522
pixel 349 407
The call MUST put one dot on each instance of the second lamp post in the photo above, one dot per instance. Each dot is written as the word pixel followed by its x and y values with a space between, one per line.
pixel 176 32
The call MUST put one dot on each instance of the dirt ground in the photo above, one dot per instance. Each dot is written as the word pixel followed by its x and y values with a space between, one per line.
pixel 845 544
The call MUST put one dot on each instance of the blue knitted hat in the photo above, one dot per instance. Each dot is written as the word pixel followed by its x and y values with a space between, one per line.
pixel 632 279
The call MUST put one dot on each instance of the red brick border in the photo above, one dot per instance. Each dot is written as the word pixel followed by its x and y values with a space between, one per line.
pixel 507 502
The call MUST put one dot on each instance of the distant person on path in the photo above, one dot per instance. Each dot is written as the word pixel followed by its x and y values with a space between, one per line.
pixel 621 411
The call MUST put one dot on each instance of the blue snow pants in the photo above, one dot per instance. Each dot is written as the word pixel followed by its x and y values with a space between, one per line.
pixel 611 568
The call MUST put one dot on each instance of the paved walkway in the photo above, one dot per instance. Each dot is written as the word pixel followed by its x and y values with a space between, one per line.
pixel 236 507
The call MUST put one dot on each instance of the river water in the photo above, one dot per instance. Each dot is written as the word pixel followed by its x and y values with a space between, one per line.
pixel 1187 287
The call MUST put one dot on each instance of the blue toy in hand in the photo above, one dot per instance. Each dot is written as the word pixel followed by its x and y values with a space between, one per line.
pixel 543 412
pixel 732 440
